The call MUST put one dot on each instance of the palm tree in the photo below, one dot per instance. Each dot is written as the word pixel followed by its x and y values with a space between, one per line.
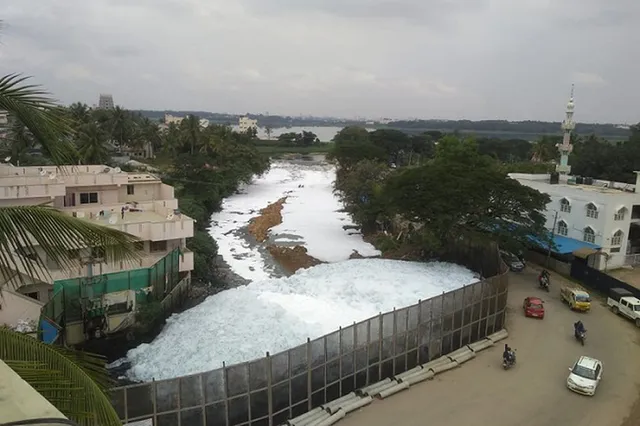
pixel 92 144
pixel 74 382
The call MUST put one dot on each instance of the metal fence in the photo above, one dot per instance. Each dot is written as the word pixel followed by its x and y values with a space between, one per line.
pixel 270 390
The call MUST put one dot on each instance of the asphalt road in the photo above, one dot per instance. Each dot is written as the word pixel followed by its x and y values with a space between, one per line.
pixel 533 393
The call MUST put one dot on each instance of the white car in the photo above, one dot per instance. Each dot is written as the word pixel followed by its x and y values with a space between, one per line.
pixel 585 375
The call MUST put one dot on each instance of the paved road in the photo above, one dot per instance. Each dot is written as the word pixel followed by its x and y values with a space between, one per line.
pixel 533 393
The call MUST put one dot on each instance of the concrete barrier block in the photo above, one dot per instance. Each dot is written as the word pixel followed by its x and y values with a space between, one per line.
pixel 462 355
pixel 441 368
pixel 481 345
pixel 306 417
pixel 400 377
pixel 419 377
pixel 376 388
pixel 365 390
pixel 333 405
pixel 356 404
pixel 393 390
pixel 499 335
pixel 334 418
pixel 442 360
pixel 318 420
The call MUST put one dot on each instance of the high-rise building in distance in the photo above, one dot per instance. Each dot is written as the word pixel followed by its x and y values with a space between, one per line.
pixel 105 102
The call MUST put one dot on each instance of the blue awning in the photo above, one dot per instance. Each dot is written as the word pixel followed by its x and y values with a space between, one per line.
pixel 565 245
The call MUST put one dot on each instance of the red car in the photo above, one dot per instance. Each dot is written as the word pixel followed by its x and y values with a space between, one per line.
pixel 533 307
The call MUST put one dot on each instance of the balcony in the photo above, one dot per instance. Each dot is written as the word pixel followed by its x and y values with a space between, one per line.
pixel 14 187
pixel 186 260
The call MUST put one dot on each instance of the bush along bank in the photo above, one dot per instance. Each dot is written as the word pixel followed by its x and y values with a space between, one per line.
pixel 201 183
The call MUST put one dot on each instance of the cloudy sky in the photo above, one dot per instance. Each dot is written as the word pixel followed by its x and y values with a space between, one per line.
pixel 475 59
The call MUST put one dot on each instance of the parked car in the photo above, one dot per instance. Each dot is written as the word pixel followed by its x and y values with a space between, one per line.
pixel 533 307
pixel 622 301
pixel 585 375
pixel 515 263
pixel 576 298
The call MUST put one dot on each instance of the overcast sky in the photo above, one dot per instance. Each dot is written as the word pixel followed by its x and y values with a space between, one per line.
pixel 475 59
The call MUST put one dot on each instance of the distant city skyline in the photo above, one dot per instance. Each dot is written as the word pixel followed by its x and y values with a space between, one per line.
pixel 427 59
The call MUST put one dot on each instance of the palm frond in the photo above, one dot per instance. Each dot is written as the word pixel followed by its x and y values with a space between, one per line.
pixel 24 228
pixel 32 106
pixel 74 382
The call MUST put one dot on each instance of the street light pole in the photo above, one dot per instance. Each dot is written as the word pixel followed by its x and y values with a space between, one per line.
pixel 553 232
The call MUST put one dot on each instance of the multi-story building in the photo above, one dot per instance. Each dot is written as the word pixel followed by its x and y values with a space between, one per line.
pixel 598 214
pixel 245 123
pixel 105 101
pixel 169 119
pixel 136 203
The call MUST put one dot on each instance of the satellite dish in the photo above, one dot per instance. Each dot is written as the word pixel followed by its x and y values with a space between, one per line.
pixel 52 175
pixel 7 159
pixel 43 172
pixel 106 170
pixel 117 170
pixel 170 216
pixel 113 219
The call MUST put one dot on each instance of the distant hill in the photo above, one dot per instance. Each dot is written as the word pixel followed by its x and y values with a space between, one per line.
pixel 502 129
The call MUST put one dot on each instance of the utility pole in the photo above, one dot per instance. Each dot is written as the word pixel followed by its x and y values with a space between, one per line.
pixel 553 233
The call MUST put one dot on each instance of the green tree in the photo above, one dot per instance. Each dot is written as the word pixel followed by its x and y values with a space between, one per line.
pixel 92 144
pixel 463 193
pixel 352 145
pixel 73 382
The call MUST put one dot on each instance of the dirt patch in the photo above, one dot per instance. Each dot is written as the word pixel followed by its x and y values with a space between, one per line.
pixel 269 217
pixel 293 258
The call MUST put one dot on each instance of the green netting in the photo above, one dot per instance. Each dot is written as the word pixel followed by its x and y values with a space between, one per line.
pixel 162 276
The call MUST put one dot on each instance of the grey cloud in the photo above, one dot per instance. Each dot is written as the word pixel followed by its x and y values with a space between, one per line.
pixel 422 58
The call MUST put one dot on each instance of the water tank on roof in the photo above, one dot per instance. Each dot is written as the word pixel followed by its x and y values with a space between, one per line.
pixel 579 180
pixel 554 178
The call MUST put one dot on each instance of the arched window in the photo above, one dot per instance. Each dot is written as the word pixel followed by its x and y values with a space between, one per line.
pixel 563 228
pixel 589 235
pixel 565 205
pixel 620 213
pixel 616 240
pixel 592 211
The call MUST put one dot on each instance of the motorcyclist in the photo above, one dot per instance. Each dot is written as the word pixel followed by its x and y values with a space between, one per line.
pixel 544 275
pixel 506 355
pixel 579 328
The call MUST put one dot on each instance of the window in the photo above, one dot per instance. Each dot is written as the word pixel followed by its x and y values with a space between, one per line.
pixel 592 211
pixel 563 229
pixel 582 371
pixel 589 235
pixel 129 189
pixel 565 205
pixel 617 238
pixel 88 197
pixel 158 246
pixel 620 214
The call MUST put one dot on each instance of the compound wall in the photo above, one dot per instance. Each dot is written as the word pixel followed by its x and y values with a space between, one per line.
pixel 270 390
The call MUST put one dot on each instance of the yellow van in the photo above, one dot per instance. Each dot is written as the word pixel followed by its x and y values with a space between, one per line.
pixel 577 298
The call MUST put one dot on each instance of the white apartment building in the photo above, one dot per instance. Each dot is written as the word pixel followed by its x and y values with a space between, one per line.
pixel 169 119
pixel 601 214
pixel 245 123
pixel 136 203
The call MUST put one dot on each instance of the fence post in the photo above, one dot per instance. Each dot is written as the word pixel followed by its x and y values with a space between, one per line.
pixel 340 361
pixel 126 407
pixel 380 347
pixel 464 288
pixel 326 357
pixel 442 316
pixel 154 394
pixel 394 342
pixel 353 354
pixel 430 357
pixel 368 379
pixel 486 322
pixel 267 360
pixel 406 339
pixel 180 400
pixel 418 330
pixel 289 380
pixel 309 364
pixel 226 394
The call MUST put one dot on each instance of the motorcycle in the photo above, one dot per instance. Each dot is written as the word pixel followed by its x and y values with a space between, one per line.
pixel 510 361
pixel 581 336
pixel 543 280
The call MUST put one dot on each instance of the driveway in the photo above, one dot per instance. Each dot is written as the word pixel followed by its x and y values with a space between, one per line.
pixel 533 393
